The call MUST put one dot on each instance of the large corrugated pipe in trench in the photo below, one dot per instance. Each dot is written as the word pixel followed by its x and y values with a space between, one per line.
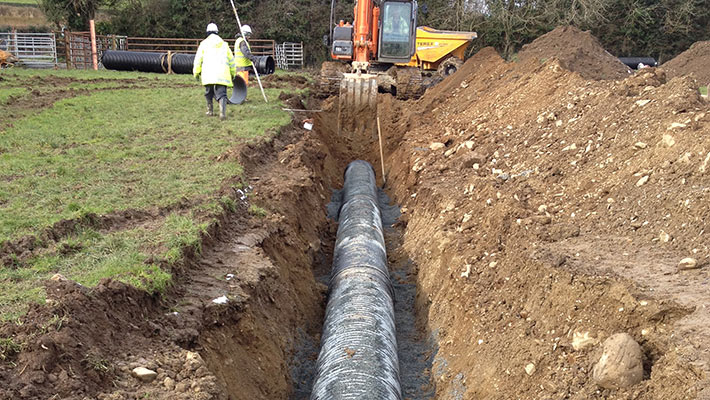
pixel 358 355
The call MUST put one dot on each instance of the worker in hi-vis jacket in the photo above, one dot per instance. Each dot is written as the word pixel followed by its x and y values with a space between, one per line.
pixel 215 68
pixel 242 53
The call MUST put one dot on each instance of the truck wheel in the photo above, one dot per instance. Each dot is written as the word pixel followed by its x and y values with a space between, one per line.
pixel 449 66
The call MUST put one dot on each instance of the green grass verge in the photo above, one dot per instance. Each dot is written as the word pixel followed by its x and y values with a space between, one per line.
pixel 6 93
pixel 23 2
pixel 113 150
pixel 117 150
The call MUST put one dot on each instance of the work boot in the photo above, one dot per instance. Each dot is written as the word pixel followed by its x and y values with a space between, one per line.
pixel 223 109
pixel 210 110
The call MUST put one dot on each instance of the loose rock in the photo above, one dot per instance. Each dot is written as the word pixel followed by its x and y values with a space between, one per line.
pixel 169 383
pixel 687 263
pixel 530 369
pixel 581 340
pixel 620 366
pixel 642 181
pixel 144 374
pixel 668 140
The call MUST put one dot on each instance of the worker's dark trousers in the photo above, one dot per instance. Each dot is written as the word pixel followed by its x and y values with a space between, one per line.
pixel 217 92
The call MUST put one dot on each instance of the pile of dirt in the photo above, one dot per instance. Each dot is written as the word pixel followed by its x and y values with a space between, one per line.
pixel 547 212
pixel 695 61
pixel 577 51
pixel 470 69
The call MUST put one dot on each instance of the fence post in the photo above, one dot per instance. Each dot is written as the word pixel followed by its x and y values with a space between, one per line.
pixel 54 50
pixel 94 55
pixel 14 35
pixel 67 50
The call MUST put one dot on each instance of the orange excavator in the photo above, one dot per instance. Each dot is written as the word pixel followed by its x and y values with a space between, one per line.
pixel 382 35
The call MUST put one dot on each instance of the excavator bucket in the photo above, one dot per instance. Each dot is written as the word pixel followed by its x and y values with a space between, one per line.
pixel 357 108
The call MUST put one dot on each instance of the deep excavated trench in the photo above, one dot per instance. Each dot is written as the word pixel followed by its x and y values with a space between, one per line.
pixel 270 349
pixel 482 336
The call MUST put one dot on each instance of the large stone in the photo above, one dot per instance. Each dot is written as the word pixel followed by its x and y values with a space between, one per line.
pixel 620 365
pixel 144 374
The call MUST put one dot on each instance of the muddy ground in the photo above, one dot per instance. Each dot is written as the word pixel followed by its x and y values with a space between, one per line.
pixel 539 206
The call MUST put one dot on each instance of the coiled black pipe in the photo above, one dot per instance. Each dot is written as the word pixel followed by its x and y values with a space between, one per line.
pixel 358 356
pixel 163 62
pixel 633 62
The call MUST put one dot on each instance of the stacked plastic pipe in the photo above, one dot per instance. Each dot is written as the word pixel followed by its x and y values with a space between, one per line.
pixel 163 62
pixel 358 356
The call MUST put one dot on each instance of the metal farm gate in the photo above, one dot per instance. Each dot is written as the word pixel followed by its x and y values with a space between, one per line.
pixel 34 50
pixel 39 50
pixel 77 48
pixel 289 55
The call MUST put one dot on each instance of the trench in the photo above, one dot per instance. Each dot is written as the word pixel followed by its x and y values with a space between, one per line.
pixel 271 350
pixel 269 347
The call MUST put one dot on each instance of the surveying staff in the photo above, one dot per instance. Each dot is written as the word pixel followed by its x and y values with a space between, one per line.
pixel 242 54
pixel 214 66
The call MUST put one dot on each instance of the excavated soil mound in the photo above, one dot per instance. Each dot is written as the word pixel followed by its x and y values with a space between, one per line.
pixel 577 51
pixel 481 61
pixel 695 61
pixel 547 212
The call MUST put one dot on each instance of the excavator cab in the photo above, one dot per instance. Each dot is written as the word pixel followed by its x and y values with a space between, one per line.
pixel 398 31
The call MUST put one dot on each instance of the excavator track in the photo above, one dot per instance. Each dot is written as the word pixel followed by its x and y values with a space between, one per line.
pixel 409 83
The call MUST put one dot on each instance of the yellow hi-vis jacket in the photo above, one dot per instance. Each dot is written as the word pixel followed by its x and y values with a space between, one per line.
pixel 215 62
pixel 241 60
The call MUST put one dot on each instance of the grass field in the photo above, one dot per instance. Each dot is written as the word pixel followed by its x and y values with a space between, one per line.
pixel 104 150
pixel 14 2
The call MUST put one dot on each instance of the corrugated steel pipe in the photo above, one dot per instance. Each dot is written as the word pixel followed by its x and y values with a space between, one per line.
pixel 358 356
pixel 120 60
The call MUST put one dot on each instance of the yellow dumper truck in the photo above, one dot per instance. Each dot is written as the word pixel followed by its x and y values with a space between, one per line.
pixel 439 50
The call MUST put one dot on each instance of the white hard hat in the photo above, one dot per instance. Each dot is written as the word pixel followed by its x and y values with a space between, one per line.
pixel 212 27
pixel 246 30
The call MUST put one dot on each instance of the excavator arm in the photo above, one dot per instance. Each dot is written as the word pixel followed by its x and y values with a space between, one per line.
pixel 382 32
